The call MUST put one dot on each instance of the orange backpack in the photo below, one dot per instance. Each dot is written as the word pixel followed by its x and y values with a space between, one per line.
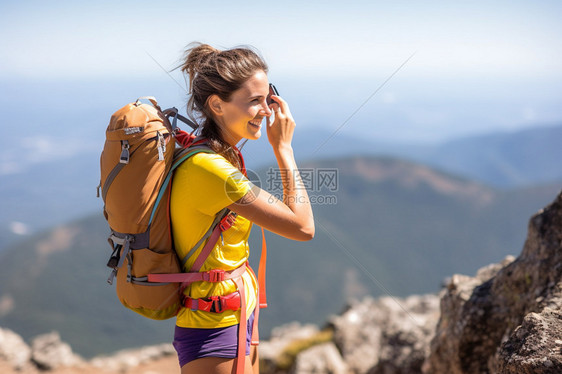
pixel 137 165
pixel 135 161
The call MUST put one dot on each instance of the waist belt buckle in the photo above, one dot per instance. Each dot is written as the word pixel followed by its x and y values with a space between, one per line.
pixel 228 302
pixel 216 306
pixel 216 275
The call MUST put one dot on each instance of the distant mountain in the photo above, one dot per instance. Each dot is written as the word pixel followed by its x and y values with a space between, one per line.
pixel 56 280
pixel 48 193
pixel 383 226
pixel 523 158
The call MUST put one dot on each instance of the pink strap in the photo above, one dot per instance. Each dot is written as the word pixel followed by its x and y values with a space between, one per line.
pixel 261 271
pixel 216 275
pixel 175 277
pixel 206 249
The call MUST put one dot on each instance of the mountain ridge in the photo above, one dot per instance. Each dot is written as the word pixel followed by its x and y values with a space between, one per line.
pixel 48 193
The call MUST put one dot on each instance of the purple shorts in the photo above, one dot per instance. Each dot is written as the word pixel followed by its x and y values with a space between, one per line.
pixel 222 342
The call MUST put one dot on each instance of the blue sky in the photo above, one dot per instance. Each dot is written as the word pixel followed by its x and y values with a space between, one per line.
pixel 64 38
pixel 478 67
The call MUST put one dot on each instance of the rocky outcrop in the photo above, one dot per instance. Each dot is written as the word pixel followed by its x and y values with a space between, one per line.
pixel 322 358
pixel 13 350
pixel 386 335
pixel 129 359
pixel 535 346
pixel 274 353
pixel 506 320
pixel 48 352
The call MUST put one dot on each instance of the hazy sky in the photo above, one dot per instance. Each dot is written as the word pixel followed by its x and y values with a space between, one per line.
pixel 62 38
pixel 478 66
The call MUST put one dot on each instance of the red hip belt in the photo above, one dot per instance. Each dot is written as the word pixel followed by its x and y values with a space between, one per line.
pixel 214 304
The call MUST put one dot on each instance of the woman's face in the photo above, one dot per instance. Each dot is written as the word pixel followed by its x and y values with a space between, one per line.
pixel 242 116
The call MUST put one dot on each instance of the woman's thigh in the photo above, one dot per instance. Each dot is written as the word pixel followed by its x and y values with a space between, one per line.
pixel 217 365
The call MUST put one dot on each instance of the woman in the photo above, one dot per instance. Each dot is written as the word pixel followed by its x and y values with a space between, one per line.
pixel 228 95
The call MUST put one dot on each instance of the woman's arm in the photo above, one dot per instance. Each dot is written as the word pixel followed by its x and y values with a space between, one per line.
pixel 292 217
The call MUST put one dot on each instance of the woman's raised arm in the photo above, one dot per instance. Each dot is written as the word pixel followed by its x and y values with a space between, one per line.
pixel 292 217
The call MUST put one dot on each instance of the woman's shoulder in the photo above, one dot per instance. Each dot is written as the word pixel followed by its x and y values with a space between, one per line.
pixel 207 159
pixel 205 165
pixel 208 162
pixel 211 182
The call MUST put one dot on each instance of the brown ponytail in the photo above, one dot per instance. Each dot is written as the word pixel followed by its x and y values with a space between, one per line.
pixel 215 72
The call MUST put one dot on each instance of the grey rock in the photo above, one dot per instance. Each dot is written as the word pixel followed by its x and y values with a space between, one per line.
pixel 320 359
pixel 128 359
pixel 387 335
pixel 48 352
pixel 14 350
pixel 532 347
pixel 281 338
pixel 506 319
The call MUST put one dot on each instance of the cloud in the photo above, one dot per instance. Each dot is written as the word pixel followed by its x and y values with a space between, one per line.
pixel 31 150
pixel 19 228
pixel 10 167
pixel 7 305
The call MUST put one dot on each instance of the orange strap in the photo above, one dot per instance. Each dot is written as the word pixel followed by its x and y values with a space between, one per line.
pixel 261 271
pixel 262 294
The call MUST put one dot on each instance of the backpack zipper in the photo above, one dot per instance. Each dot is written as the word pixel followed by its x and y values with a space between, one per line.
pixel 161 146
pixel 124 158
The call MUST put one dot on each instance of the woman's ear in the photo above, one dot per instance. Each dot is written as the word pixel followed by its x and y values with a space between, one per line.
pixel 215 105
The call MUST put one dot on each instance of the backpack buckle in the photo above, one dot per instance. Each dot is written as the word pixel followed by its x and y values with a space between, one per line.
pixel 227 221
pixel 227 302
pixel 215 275
pixel 214 304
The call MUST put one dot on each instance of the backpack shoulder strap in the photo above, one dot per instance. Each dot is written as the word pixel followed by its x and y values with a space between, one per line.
pixel 213 233
pixel 179 157
pixel 208 235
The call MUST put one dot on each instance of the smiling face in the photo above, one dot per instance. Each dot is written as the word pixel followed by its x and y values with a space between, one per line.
pixel 242 116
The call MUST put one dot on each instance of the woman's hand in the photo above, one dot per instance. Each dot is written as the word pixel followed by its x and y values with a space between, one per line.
pixel 280 131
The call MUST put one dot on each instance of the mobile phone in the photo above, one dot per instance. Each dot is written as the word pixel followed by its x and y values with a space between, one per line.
pixel 272 91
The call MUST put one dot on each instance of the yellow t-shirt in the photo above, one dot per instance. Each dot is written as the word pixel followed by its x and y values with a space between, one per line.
pixel 203 185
